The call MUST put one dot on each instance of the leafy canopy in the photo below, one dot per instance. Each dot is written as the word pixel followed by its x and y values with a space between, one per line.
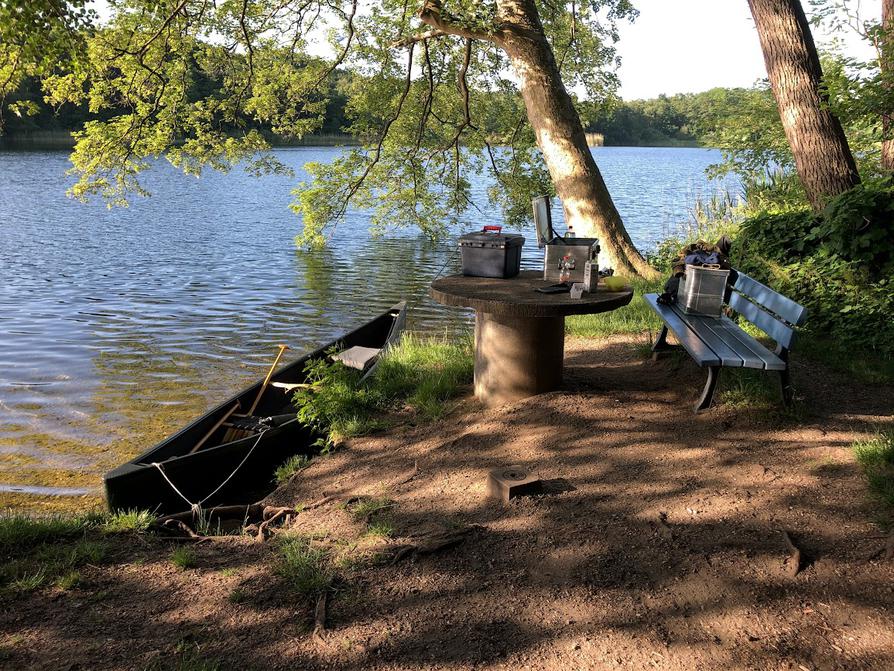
pixel 197 82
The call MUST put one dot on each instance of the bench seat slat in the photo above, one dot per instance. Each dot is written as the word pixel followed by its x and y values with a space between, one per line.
pixel 779 331
pixel 695 346
pixel 750 359
pixel 783 306
pixel 725 351
pixel 754 353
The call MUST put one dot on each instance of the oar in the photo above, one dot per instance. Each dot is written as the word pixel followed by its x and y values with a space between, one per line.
pixel 282 348
pixel 214 428
pixel 234 433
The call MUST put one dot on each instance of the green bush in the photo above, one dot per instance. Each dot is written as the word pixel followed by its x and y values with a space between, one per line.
pixel 838 265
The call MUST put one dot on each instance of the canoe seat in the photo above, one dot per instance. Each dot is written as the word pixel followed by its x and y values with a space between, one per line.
pixel 357 357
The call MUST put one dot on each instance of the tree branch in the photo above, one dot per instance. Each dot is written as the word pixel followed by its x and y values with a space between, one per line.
pixel 432 14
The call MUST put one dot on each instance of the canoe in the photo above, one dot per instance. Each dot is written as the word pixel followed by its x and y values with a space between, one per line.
pixel 174 474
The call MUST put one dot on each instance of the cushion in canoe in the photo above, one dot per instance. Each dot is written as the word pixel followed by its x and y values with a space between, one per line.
pixel 358 357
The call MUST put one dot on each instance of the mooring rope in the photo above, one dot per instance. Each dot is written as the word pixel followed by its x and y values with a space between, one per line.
pixel 196 508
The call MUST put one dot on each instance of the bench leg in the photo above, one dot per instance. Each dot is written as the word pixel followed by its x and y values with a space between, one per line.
pixel 785 386
pixel 708 393
pixel 661 344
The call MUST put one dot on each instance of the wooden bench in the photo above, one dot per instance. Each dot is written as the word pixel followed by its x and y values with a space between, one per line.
pixel 718 343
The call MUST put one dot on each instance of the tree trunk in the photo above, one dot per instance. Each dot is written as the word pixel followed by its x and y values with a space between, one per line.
pixel 823 158
pixel 887 69
pixel 560 135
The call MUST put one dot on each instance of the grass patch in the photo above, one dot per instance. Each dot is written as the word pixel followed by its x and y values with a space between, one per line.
pixel 637 317
pixel 238 596
pixel 291 466
pixel 50 563
pixel 865 366
pixel 306 569
pixel 379 529
pixel 183 557
pixel 20 533
pixel 414 380
pixel 745 388
pixel 876 456
pixel 68 580
pixel 129 520
pixel 364 509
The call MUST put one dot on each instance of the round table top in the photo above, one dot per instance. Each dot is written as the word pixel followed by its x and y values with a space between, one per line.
pixel 515 297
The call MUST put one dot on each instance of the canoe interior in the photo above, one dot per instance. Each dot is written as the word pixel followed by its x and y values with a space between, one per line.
pixel 140 484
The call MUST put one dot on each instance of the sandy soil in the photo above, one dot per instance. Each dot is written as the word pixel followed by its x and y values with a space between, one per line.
pixel 658 545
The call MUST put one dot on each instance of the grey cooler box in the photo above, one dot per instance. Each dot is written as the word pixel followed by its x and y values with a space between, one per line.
pixel 490 253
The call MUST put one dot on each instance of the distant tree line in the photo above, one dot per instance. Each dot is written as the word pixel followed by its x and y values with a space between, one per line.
pixel 690 119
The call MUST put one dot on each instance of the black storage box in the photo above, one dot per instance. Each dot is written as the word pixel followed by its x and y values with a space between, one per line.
pixel 490 253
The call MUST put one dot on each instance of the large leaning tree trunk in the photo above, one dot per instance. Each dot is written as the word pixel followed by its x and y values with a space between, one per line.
pixel 887 68
pixel 823 159
pixel 560 135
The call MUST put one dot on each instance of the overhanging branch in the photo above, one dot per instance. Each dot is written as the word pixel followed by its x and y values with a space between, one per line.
pixel 432 14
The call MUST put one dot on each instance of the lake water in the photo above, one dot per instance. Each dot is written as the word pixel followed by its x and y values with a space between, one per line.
pixel 118 326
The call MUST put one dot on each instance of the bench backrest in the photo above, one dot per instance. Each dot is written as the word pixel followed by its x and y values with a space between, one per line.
pixel 769 310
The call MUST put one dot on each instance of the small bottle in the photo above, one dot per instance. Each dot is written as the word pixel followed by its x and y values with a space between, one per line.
pixel 591 269
pixel 566 265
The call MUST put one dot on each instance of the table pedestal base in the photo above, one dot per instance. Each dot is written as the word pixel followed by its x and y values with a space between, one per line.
pixel 517 357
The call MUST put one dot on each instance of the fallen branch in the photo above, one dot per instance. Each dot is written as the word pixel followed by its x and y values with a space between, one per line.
pixel 795 556
pixel 430 543
pixel 889 546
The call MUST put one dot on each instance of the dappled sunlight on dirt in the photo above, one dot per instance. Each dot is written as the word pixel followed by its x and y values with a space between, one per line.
pixel 662 547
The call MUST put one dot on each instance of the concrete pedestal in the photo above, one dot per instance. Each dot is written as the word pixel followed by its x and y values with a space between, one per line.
pixel 519 332
pixel 517 357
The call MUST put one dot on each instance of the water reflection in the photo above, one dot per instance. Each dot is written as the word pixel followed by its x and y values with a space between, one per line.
pixel 117 327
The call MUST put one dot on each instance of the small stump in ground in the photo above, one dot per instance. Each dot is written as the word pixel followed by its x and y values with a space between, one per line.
pixel 510 482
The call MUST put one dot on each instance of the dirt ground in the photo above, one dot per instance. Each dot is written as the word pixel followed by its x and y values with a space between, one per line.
pixel 659 544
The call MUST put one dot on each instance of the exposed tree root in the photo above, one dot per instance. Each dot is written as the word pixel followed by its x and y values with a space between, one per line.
pixel 271 515
pixel 245 512
pixel 795 558
pixel 430 543
pixel 320 618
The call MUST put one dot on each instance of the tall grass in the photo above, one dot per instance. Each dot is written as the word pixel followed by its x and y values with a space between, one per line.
pixel 305 568
pixel 416 378
pixel 637 317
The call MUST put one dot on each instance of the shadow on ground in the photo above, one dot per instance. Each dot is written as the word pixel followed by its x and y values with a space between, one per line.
pixel 665 551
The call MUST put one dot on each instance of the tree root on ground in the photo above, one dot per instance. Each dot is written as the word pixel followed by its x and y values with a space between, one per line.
pixel 256 518
pixel 429 543
pixel 271 515
pixel 795 559
pixel 320 618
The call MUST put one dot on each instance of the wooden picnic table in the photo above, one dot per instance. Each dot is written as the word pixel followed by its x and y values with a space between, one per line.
pixel 519 332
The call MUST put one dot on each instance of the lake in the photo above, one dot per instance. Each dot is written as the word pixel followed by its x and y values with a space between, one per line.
pixel 119 326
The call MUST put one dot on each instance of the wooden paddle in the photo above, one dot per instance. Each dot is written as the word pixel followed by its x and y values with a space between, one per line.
pixel 235 433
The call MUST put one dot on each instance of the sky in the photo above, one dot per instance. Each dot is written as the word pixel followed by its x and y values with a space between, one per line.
pixel 687 46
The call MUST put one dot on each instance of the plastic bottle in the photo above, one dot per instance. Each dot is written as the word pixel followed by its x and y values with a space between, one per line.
pixel 591 269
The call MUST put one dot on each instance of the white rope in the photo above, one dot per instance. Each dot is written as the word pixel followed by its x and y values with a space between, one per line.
pixel 196 508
